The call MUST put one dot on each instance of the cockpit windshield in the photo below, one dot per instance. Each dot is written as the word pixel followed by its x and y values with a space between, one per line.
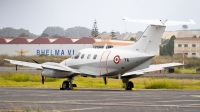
pixel 76 56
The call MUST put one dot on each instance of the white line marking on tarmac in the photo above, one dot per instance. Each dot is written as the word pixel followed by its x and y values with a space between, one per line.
pixel 103 104
pixel 195 96
pixel 195 104
pixel 191 110
pixel 179 101
pixel 158 110
pixel 85 109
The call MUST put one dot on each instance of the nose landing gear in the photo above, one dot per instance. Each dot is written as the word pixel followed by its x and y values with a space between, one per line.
pixel 67 84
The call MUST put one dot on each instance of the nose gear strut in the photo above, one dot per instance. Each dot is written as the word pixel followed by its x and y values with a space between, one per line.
pixel 68 84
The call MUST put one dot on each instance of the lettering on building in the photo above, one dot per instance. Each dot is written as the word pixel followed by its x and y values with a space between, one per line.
pixel 56 52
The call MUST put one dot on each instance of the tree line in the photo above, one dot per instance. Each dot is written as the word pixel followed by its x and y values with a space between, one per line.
pixel 168 49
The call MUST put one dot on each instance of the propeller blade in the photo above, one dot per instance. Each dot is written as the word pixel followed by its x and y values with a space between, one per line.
pixel 35 61
pixel 105 81
pixel 42 79
pixel 16 67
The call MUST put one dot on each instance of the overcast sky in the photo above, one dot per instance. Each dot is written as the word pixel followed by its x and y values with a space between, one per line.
pixel 36 15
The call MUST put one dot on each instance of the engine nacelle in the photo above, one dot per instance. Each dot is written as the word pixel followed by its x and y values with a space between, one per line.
pixel 55 73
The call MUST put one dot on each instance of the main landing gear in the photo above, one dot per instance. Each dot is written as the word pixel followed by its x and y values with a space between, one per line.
pixel 67 84
pixel 129 84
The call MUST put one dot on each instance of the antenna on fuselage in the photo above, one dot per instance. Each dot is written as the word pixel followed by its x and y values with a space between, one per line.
pixel 105 46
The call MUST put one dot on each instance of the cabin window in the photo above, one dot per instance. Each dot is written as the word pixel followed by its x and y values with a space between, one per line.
pixel 88 57
pixel 82 56
pixel 77 55
pixel 95 56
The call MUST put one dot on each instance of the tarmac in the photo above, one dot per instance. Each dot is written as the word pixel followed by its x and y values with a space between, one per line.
pixel 98 100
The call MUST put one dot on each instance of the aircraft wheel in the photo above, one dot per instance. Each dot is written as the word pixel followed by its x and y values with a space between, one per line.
pixel 129 85
pixel 74 85
pixel 65 85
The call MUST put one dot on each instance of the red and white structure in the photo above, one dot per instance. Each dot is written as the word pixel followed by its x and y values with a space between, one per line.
pixel 53 46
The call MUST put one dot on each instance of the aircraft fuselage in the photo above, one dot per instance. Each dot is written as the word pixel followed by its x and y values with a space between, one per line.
pixel 106 62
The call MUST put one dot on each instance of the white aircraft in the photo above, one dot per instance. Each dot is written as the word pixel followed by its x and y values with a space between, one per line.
pixel 120 62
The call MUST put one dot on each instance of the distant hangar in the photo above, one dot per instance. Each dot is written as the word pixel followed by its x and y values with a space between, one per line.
pixel 54 46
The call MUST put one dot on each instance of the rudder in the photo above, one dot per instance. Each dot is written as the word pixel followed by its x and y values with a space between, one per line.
pixel 150 39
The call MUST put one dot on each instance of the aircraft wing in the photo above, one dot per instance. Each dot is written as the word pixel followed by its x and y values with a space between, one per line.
pixel 58 66
pixel 151 69
pixel 22 63
pixel 47 65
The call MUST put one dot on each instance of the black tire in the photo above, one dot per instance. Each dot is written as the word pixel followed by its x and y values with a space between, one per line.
pixel 65 85
pixel 62 89
pixel 74 85
pixel 129 85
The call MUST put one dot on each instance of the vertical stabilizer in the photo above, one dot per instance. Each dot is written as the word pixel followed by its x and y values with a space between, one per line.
pixel 149 41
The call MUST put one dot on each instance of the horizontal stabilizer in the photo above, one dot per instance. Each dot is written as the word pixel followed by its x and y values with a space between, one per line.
pixel 166 65
pixel 152 68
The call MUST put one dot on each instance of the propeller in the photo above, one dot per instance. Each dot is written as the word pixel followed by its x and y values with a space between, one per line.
pixel 16 67
pixel 105 81
pixel 41 74
pixel 35 61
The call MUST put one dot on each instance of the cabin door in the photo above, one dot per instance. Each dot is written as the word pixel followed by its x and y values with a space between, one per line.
pixel 104 62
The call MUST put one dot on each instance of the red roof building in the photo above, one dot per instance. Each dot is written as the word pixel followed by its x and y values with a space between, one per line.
pixel 85 40
pixel 63 40
pixel 18 40
pixel 2 41
pixel 41 40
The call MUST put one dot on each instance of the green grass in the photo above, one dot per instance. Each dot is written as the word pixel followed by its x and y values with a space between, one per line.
pixel 34 80
pixel 163 84
pixel 25 77
pixel 160 83
pixel 97 83
pixel 185 71
pixel 156 83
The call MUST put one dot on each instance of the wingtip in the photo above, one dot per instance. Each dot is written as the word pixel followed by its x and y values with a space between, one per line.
pixel 192 21
pixel 6 59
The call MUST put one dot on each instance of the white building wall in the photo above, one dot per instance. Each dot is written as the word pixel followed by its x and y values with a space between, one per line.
pixel 188 51
pixel 38 49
